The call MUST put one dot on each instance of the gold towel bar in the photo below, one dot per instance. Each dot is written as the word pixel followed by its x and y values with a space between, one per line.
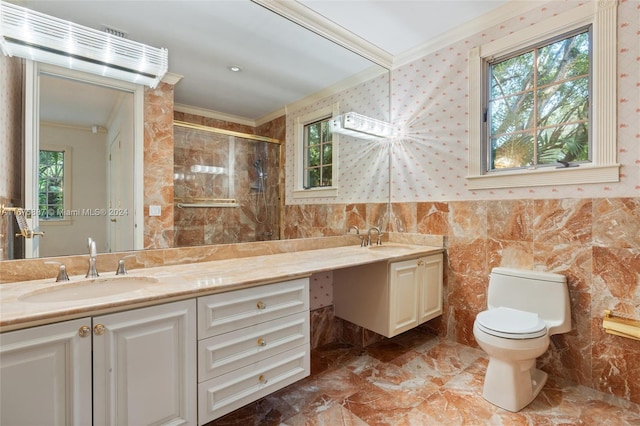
pixel 621 326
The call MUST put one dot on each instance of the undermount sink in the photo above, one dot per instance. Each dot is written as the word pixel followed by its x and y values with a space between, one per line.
pixel 88 289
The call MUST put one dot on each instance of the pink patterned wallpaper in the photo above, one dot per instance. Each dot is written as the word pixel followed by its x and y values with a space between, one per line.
pixel 430 101
pixel 363 165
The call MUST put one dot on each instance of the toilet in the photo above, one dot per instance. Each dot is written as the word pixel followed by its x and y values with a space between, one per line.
pixel 524 309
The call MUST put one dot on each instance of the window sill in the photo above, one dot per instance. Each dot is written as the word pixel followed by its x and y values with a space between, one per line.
pixel 303 194
pixel 54 222
pixel 546 177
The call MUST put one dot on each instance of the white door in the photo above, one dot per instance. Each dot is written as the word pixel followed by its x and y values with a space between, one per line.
pixel 114 167
pixel 145 366
pixel 31 155
pixel 45 375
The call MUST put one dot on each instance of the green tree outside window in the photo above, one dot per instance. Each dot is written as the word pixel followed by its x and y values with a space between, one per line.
pixel 538 105
pixel 51 185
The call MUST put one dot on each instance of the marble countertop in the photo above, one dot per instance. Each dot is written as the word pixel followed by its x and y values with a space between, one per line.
pixel 186 281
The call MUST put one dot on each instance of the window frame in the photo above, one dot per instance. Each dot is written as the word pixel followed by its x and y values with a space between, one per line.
pixel 299 191
pixel 601 16
pixel 66 188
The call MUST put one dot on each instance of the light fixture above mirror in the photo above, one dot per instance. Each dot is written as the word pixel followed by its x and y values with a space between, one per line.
pixel 361 126
pixel 32 35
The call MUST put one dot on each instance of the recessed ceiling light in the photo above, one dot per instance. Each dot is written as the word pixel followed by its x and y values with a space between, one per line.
pixel 234 68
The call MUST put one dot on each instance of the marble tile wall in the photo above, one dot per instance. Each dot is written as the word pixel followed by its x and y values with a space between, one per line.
pixel 594 242
pixel 158 165
pixel 35 269
pixel 10 149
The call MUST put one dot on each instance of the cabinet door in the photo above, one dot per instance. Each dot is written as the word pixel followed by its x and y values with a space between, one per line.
pixel 45 375
pixel 431 298
pixel 144 365
pixel 404 286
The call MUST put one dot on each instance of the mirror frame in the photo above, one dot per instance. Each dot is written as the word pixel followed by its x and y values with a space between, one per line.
pixel 33 70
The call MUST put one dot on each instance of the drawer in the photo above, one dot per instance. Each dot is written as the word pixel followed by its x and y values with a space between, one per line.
pixel 223 394
pixel 227 352
pixel 225 312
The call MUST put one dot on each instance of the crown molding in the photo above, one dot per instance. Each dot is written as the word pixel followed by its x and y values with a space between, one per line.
pixel 313 21
pixel 209 113
pixel 271 116
pixel 497 16
pixel 347 83
pixel 354 80
pixel 171 78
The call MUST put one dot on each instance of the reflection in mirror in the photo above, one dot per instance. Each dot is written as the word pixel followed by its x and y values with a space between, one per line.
pixel 226 186
pixel 80 182
pixel 287 71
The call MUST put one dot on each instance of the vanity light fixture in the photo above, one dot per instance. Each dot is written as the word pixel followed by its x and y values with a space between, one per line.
pixel 32 35
pixel 361 126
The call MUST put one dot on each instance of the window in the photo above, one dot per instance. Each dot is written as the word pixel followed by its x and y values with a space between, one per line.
pixel 532 103
pixel 316 155
pixel 537 112
pixel 51 184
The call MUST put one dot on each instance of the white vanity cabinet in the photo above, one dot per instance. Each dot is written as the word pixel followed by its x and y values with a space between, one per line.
pixel 390 297
pixel 45 375
pixel 143 368
pixel 251 342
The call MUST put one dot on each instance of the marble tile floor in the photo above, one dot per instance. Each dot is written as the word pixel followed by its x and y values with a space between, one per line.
pixel 418 379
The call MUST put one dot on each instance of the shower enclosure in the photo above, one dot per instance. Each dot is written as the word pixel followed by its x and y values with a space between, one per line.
pixel 226 186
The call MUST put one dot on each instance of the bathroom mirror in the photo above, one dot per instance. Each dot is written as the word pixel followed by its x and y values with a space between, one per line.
pixel 202 89
pixel 83 177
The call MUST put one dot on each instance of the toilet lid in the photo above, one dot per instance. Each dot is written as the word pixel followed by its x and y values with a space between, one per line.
pixel 511 323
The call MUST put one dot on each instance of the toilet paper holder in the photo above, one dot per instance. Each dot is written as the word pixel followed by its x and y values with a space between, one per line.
pixel 621 326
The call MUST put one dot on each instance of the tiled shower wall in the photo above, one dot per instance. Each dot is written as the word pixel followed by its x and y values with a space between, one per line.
pixel 257 216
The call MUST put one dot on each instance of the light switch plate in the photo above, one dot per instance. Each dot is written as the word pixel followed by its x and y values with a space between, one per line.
pixel 155 210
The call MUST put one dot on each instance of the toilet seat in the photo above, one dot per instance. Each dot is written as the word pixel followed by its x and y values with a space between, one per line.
pixel 511 323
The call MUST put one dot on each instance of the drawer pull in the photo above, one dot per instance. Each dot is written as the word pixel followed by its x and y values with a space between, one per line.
pixel 262 379
pixel 262 342
pixel 84 331
pixel 261 305
pixel 98 329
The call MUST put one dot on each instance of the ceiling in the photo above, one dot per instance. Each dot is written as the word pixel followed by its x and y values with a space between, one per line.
pixel 281 62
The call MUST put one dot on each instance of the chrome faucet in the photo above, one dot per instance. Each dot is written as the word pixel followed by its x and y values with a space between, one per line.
pixel 62 271
pixel 379 241
pixel 353 227
pixel 92 272
pixel 121 268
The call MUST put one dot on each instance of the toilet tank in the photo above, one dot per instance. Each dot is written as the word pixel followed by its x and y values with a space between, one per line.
pixel 544 293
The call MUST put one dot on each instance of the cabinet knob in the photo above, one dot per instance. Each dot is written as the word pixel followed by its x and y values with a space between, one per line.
pixel 263 379
pixel 261 305
pixel 420 262
pixel 99 329
pixel 84 331
pixel 262 342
